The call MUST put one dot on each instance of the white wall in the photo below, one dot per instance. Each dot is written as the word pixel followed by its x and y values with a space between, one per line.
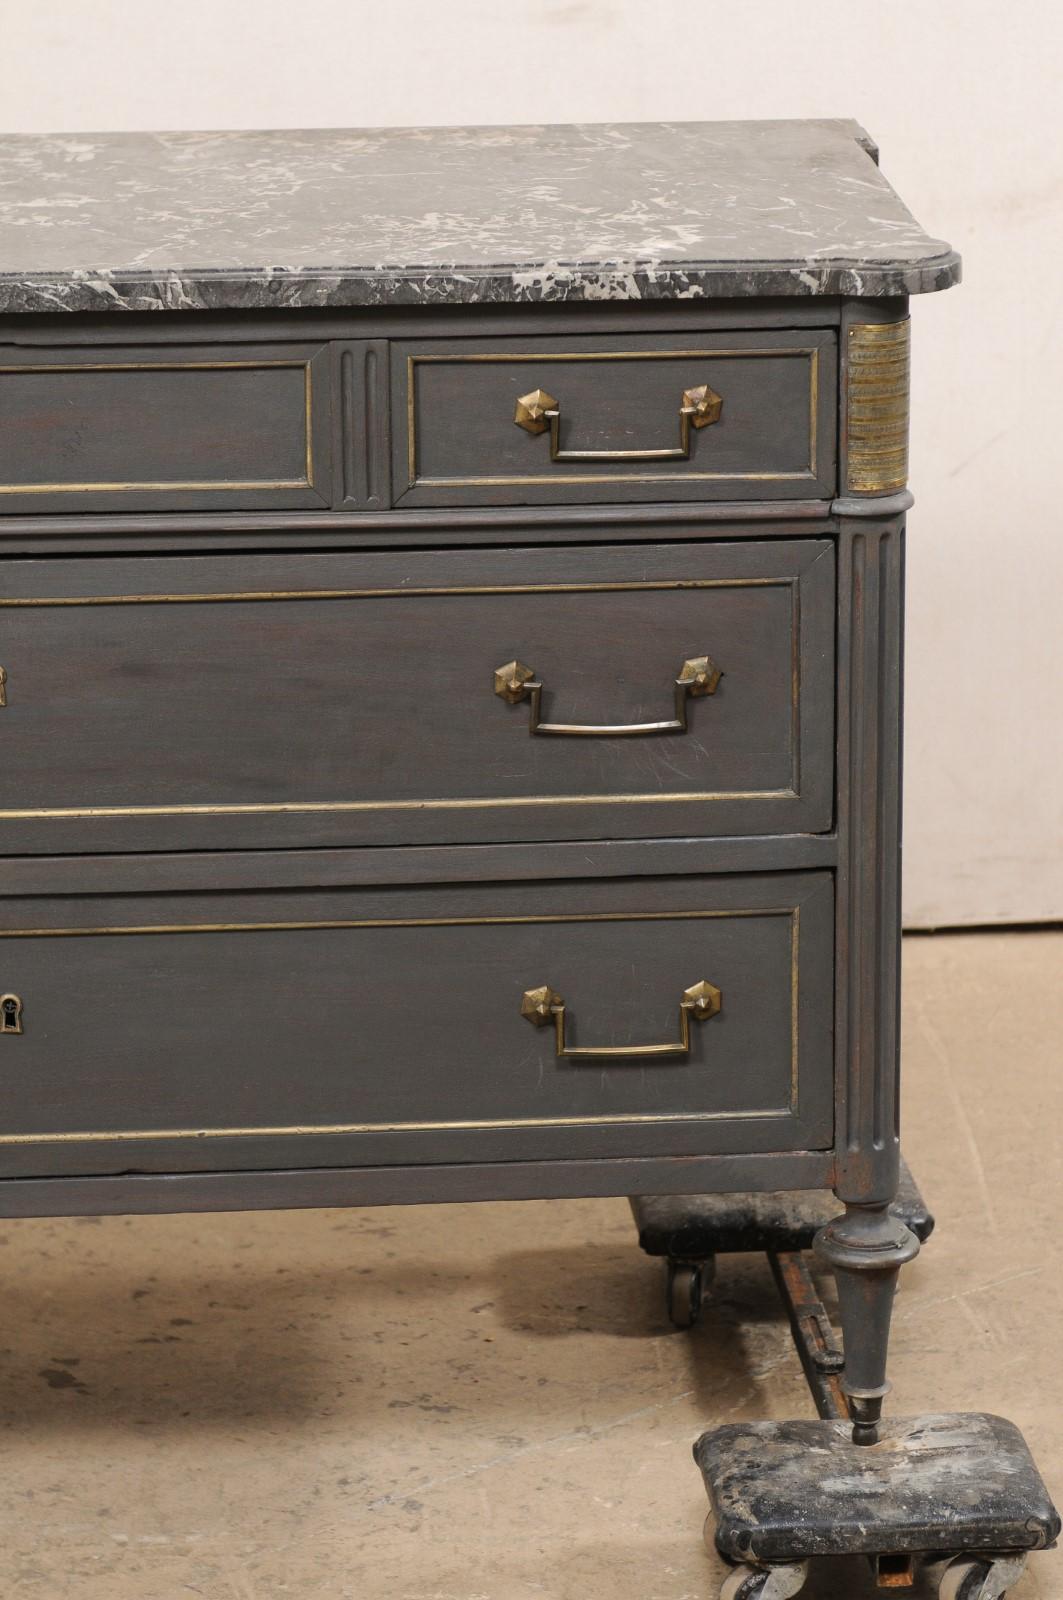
pixel 962 95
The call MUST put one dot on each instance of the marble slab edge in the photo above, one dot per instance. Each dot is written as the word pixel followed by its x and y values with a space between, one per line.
pixel 307 288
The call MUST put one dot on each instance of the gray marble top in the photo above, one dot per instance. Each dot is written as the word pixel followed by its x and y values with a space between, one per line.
pixel 624 211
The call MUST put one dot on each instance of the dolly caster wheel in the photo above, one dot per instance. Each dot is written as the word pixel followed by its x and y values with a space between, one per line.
pixel 764 1583
pixel 687 1282
pixel 684 1294
pixel 979 1577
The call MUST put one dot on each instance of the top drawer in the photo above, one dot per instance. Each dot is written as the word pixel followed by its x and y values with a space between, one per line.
pixel 725 416
pixel 176 427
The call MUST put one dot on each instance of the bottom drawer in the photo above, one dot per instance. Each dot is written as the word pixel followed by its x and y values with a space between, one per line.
pixel 308 1028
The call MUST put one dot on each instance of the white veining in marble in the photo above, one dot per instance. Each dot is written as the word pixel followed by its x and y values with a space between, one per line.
pixel 362 217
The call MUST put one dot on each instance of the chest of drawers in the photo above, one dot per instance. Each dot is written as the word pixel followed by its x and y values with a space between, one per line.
pixel 450 615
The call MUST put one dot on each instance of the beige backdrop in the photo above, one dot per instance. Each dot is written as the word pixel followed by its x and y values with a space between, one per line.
pixel 964 99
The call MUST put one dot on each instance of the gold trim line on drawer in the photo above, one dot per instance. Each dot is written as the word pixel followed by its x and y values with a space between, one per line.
pixel 214 597
pixel 812 351
pixel 97 1136
pixel 614 1120
pixel 232 485
pixel 296 807
pixel 877 406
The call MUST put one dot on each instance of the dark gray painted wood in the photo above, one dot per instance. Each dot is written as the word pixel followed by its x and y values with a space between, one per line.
pixel 431 320
pixel 133 1193
pixel 775 437
pixel 323 868
pixel 408 1024
pixel 879 505
pixel 372 720
pixel 227 427
pixel 434 528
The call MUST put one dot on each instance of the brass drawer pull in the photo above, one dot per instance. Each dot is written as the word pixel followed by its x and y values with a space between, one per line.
pixel 538 411
pixel 515 682
pixel 542 1006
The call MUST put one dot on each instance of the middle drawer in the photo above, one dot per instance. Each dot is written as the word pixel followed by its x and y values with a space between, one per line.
pixel 238 702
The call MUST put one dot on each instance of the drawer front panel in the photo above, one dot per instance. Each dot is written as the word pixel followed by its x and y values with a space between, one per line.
pixel 760 420
pixel 230 702
pixel 302 1029
pixel 164 428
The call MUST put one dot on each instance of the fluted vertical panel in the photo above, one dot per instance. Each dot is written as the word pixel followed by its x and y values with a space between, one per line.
pixel 361 424
pixel 870 640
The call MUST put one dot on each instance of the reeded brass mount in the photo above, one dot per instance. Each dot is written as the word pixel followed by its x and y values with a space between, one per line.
pixel 698 676
pixel 538 411
pixel 877 404
pixel 543 1005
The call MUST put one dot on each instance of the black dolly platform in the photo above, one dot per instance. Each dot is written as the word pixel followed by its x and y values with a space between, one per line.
pixel 690 1230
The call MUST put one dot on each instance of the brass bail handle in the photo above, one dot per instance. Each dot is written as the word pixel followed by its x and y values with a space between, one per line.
pixel 538 411
pixel 542 1006
pixel 697 677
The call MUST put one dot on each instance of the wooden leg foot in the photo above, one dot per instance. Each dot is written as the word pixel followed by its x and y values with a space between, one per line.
pixel 866 1249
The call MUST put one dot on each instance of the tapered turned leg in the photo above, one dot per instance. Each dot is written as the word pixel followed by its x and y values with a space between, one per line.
pixel 865 1249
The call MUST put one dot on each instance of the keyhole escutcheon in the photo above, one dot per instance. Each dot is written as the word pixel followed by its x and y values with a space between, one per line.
pixel 10 1013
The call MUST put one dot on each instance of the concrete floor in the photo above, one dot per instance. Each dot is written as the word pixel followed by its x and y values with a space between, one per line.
pixel 485 1403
